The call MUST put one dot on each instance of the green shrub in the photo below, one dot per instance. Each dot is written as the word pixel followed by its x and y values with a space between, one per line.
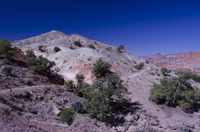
pixel 120 48
pixel 69 84
pixel 100 68
pixel 57 49
pixel 174 91
pixel 188 76
pixel 30 53
pixel 80 79
pixel 139 66
pixel 109 48
pixel 6 50
pixel 71 47
pixel 41 64
pixel 32 61
pixel 40 48
pixel 6 70
pixel 67 115
pixel 105 91
pixel 95 42
pixel 152 73
pixel 77 43
pixel 147 61
pixel 165 71
pixel 91 46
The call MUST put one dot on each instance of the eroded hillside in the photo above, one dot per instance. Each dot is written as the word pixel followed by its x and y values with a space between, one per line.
pixel 141 115
pixel 186 62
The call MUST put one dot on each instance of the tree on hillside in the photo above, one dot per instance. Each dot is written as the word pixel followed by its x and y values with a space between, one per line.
pixel 40 48
pixel 120 48
pixel 175 91
pixel 80 79
pixel 70 84
pixel 139 66
pixel 67 115
pixel 165 71
pixel 57 49
pixel 105 91
pixel 41 64
pixel 32 61
pixel 30 53
pixel 100 68
pixel 91 46
pixel 6 50
pixel 78 43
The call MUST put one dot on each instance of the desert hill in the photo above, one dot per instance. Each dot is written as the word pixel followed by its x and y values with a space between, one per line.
pixel 143 114
pixel 186 62
pixel 79 60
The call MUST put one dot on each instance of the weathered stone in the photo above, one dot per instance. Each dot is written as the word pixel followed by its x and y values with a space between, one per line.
pixel 32 110
pixel 173 127
pixel 120 128
pixel 129 118
pixel 152 123
pixel 192 126
pixel 131 129
pixel 156 120
pixel 128 123
pixel 56 111
pixel 198 123
pixel 136 117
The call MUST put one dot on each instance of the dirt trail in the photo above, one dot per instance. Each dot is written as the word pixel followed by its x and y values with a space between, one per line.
pixel 26 87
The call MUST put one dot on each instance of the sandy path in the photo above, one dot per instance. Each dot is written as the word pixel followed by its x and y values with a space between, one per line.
pixel 25 87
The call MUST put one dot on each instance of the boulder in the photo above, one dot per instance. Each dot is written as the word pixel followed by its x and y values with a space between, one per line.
pixel 120 128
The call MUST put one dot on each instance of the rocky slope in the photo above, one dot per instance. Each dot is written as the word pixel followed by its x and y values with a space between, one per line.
pixel 187 62
pixel 143 114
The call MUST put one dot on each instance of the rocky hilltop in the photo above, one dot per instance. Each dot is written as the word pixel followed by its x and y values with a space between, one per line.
pixel 186 62
pixel 70 62
pixel 39 105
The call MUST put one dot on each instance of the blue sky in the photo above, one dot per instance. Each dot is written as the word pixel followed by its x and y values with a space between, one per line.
pixel 144 27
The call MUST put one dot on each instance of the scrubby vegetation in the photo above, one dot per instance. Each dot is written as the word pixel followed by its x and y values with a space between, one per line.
pixel 91 46
pixel 6 70
pixel 165 71
pixel 188 76
pixel 139 66
pixel 69 84
pixel 147 61
pixel 78 43
pixel 40 63
pixel 109 48
pixel 43 64
pixel 104 92
pixel 175 91
pixel 120 48
pixel 6 50
pixel 57 49
pixel 67 115
pixel 103 96
pixel 30 53
pixel 100 68
pixel 40 48
pixel 71 47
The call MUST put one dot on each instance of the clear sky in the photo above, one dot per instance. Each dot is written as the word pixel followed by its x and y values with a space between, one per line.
pixel 144 27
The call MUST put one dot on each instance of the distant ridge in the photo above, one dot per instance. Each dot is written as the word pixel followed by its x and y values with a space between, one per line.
pixel 187 61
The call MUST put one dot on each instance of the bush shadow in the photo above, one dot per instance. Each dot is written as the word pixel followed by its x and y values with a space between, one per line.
pixel 118 113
